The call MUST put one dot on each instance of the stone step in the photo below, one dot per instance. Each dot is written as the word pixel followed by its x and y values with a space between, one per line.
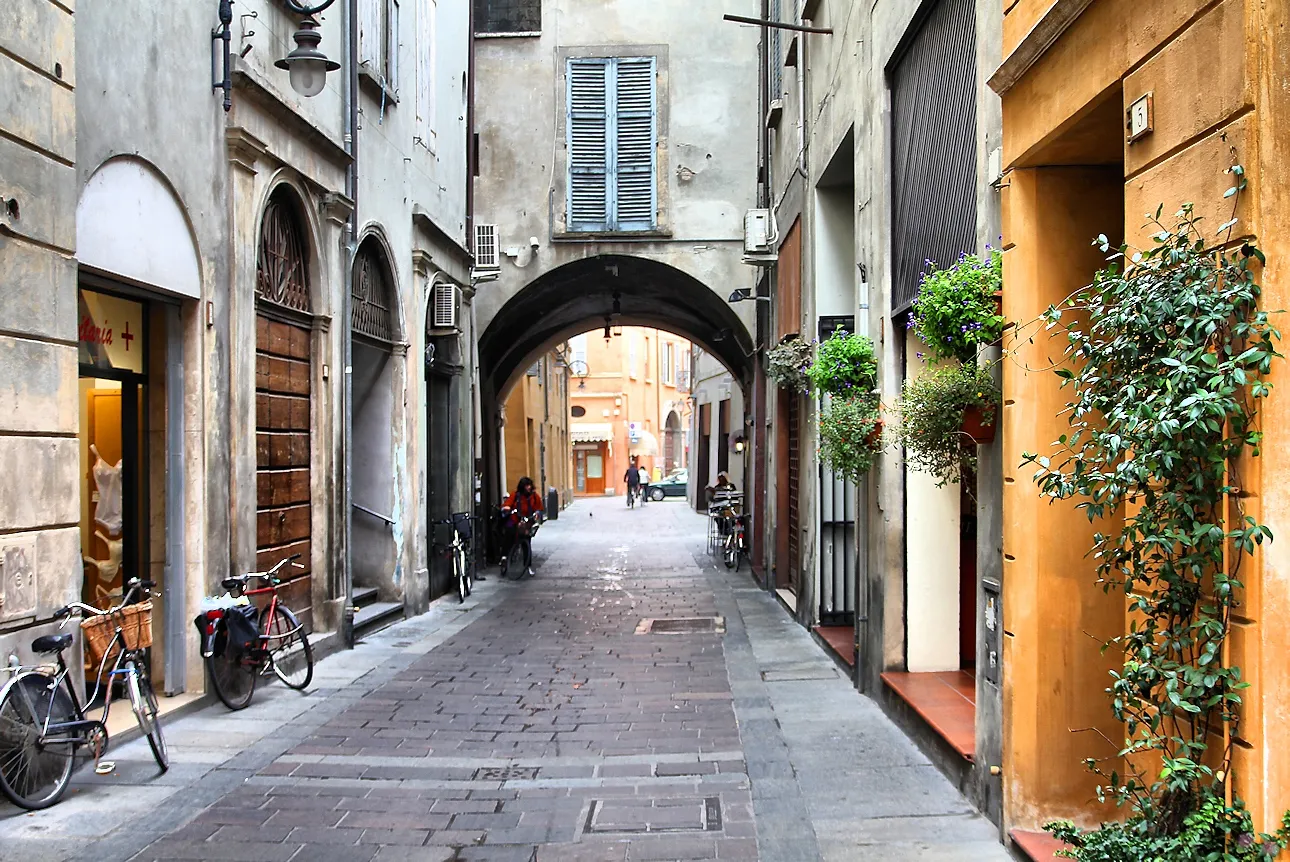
pixel 364 596
pixel 373 617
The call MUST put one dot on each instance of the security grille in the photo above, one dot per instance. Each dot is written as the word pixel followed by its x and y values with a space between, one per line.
pixel 486 246
pixel 445 306
pixel 508 16
pixel 934 147
pixel 281 272
pixel 370 310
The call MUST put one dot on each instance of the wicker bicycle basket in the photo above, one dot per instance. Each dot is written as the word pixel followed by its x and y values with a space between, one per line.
pixel 136 627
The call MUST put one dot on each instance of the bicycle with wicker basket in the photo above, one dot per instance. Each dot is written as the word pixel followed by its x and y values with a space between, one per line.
pixel 242 643
pixel 42 722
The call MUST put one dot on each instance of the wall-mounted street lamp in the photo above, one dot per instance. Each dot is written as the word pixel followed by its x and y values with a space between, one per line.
pixel 306 65
pixel 740 443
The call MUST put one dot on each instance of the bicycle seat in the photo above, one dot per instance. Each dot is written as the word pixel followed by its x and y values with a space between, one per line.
pixel 51 643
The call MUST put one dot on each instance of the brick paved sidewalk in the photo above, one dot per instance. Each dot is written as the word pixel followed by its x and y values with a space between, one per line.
pixel 536 723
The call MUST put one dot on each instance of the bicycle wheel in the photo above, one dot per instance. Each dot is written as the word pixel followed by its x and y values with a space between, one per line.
pixel 459 576
pixel 33 775
pixel 143 700
pixel 731 554
pixel 289 650
pixel 465 570
pixel 232 676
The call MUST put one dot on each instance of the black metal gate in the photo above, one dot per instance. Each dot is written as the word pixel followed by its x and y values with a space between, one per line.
pixel 838 576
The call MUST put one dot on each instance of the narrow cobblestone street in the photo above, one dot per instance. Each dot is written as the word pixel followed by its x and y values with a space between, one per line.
pixel 535 722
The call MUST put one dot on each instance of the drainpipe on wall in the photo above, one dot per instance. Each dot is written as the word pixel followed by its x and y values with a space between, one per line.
pixel 347 382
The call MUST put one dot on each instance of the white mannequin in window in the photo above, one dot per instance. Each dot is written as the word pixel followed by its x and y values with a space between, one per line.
pixel 108 568
pixel 107 478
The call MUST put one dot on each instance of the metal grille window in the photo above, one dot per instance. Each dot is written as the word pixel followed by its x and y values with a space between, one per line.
pixel 611 144
pixel 486 246
pixel 933 96
pixel 281 272
pixel 371 309
pixel 508 16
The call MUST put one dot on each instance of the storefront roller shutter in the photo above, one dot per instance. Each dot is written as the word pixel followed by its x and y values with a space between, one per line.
pixel 934 179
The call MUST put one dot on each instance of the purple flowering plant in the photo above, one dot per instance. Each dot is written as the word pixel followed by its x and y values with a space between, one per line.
pixel 956 310
pixel 846 365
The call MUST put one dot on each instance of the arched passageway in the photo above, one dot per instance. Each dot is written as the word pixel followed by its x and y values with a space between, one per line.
pixel 614 290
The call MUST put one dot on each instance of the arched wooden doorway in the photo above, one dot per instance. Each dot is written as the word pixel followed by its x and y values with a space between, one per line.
pixel 283 398
pixel 673 443
pixel 374 322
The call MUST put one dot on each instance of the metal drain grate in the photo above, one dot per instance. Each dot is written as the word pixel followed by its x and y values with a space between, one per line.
pixel 505 773
pixel 641 816
pixel 682 626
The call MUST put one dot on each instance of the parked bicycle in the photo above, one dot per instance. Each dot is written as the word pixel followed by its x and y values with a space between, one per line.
pixel 525 529
pixel 458 549
pixel 240 644
pixel 42 722
pixel 736 547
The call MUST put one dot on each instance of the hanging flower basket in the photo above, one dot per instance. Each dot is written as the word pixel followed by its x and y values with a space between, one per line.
pixel 845 365
pixel 787 364
pixel 960 308
pixel 851 435
pixel 941 413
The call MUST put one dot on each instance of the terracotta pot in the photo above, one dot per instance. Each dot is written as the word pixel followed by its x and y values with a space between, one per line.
pixel 875 436
pixel 975 427
pixel 997 296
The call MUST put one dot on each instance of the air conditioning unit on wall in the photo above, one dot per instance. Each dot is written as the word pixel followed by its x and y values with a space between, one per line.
pixel 760 236
pixel 444 316
pixel 486 246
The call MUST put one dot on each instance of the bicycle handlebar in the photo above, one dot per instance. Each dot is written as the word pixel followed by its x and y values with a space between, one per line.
pixel 133 586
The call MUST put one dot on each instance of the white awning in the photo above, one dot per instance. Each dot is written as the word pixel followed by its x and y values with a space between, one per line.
pixel 591 432
pixel 646 444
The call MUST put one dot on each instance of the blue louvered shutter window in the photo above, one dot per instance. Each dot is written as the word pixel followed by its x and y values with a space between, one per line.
pixel 588 145
pixel 612 141
pixel 634 136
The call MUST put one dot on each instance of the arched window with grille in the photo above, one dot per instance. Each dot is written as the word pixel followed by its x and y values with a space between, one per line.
pixel 372 310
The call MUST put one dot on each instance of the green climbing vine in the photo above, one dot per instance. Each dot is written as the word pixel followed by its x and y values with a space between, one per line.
pixel 1167 352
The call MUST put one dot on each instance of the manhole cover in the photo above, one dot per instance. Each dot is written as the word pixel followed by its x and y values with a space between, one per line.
pixel 682 626
pixel 402 644
pixel 637 816
pixel 505 773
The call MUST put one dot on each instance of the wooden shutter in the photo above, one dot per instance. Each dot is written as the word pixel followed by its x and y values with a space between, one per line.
pixel 392 45
pixel 426 11
pixel 371 34
pixel 634 140
pixel 587 144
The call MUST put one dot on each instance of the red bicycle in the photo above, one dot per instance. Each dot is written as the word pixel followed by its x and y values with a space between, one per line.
pixel 240 644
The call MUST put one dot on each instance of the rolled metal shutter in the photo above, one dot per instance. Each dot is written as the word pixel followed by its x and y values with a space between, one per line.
pixel 933 98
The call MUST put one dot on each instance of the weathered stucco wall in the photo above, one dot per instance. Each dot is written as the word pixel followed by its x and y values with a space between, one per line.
pixel 40 548
pixel 705 153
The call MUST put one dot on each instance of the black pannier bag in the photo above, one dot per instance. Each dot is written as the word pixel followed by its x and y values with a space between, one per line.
pixel 241 624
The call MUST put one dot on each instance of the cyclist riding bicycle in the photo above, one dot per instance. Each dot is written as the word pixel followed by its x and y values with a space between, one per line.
pixel 633 479
pixel 524 503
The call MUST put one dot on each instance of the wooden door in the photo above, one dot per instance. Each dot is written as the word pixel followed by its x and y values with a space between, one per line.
pixel 282 451
pixel 596 472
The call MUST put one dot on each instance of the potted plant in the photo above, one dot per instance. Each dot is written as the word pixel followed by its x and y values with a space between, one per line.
pixel 957 308
pixel 845 365
pixel 787 363
pixel 935 411
pixel 851 435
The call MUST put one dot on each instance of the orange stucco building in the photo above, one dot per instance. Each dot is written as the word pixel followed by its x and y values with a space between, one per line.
pixel 1214 75
pixel 535 436
pixel 629 398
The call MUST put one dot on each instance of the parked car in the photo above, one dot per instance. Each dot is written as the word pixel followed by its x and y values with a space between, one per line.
pixel 673 485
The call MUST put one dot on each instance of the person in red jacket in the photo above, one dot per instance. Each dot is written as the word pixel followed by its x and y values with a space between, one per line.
pixel 526 502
